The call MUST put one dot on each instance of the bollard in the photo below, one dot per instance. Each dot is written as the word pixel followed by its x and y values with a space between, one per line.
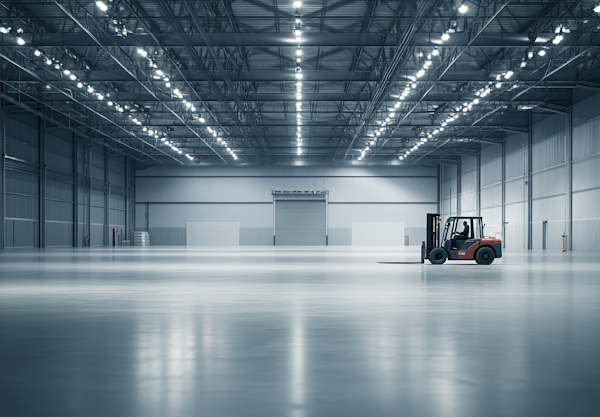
pixel 423 252
pixel 564 243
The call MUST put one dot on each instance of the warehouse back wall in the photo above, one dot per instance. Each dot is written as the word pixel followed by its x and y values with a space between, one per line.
pixel 167 197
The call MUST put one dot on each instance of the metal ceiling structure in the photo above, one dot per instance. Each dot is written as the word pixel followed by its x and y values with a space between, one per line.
pixel 221 82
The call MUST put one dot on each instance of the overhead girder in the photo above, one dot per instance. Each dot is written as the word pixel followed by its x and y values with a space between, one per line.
pixel 309 39
pixel 457 75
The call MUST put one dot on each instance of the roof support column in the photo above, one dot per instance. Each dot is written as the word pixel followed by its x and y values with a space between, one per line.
pixel 42 150
pixel 2 173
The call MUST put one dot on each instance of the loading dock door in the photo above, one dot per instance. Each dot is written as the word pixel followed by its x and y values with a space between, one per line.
pixel 300 222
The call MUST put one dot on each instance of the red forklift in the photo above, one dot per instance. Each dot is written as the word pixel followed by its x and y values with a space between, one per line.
pixel 462 245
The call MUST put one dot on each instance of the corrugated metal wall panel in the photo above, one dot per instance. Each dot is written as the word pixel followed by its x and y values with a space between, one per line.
pixel 59 211
pixel 21 183
pixel 548 183
pixel 117 202
pixel 586 110
pixel 516 142
pixel 97 237
pixel 117 217
pixel 117 179
pixel 550 208
pixel 59 234
pixel 97 215
pixel 117 165
pixel 97 198
pixel 257 236
pixel 97 173
pixel 586 173
pixel 59 146
pixel 489 152
pixel 140 218
pixel 468 202
pixel 377 233
pixel 340 236
pixel 468 181
pixel 491 172
pixel 22 207
pixel 585 235
pixel 491 196
pixel 515 164
pixel 492 217
pixel 468 163
pixel 549 152
pixel 24 234
pixel 59 163
pixel 22 151
pixel 169 236
pixel 586 139
pixel 26 133
pixel 552 126
pixel 450 171
pixel 586 205
pixel 515 191
pixel 58 190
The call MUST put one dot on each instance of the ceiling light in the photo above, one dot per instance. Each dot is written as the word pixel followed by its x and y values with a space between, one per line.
pixel 297 4
pixel 558 39
pixel 299 75
pixel 396 105
pixel 298 32
pixel 90 89
pixel 445 37
pixel 73 77
pixel 523 64
pixel 37 53
pixel 435 52
pixel 420 73
pixel 4 29
pixel 102 6
pixel 48 62
pixel 597 8
pixel 463 9
pixel 542 52
pixel 298 52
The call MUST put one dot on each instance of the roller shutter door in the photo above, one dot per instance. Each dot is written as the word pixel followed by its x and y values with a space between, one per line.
pixel 300 223
pixel 217 233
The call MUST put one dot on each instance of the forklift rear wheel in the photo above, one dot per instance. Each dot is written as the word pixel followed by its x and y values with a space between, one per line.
pixel 438 256
pixel 485 255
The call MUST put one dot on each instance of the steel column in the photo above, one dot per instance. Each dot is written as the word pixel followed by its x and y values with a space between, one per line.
pixel 75 191
pixel 503 229
pixel 106 196
pixel 569 191
pixel 529 190
pixel 2 174
pixel 42 151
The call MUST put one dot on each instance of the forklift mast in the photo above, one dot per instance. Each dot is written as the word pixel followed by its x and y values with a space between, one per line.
pixel 433 233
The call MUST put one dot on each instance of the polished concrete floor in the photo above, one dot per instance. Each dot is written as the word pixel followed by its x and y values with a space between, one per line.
pixel 142 332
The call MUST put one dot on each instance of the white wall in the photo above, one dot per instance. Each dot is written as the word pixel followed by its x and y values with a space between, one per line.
pixel 173 195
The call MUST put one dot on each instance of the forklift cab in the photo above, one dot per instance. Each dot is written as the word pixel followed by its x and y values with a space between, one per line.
pixel 453 237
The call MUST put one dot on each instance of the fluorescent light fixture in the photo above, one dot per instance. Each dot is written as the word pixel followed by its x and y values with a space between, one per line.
pixel 102 6
pixel 297 4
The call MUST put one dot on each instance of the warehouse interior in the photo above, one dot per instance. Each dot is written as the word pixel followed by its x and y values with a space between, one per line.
pixel 217 207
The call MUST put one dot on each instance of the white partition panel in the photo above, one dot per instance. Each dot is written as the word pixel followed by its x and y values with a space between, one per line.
pixel 219 233
pixel 377 233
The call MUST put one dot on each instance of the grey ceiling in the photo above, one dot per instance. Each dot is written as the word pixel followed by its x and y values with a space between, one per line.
pixel 234 62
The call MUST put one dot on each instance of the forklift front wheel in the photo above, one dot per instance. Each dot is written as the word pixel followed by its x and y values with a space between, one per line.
pixel 438 256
